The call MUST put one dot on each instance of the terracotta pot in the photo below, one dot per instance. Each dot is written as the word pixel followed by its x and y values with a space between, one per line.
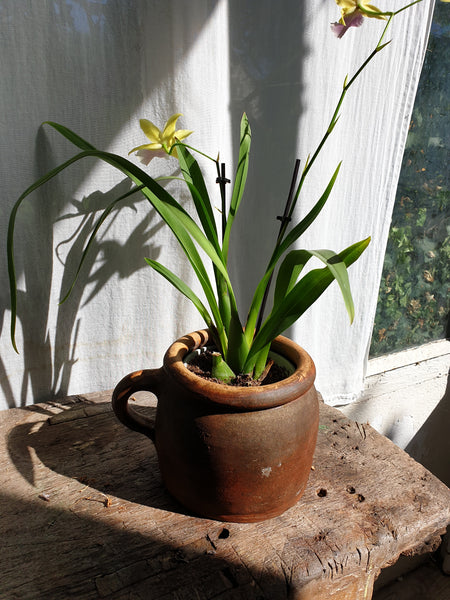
pixel 228 453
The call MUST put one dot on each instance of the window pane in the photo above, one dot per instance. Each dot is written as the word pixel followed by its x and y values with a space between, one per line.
pixel 414 299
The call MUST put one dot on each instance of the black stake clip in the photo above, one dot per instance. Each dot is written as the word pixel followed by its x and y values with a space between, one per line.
pixel 284 219
pixel 221 179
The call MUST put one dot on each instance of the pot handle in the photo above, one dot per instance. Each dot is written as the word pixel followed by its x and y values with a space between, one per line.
pixel 147 380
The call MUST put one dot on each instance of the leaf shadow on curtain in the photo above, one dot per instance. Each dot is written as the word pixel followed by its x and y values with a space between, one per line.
pixel 267 50
pixel 84 49
pixel 103 262
pixel 108 254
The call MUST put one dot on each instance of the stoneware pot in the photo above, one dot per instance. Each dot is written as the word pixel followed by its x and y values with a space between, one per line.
pixel 229 453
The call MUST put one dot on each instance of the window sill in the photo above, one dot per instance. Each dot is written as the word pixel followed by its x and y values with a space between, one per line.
pixel 402 390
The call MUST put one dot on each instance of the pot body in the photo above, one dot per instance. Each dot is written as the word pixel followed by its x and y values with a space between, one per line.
pixel 229 453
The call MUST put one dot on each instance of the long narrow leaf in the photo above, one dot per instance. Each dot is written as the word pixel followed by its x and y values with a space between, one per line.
pixel 140 177
pixel 339 271
pixel 158 197
pixel 71 136
pixel 10 239
pixel 196 183
pixel 293 264
pixel 291 237
pixel 183 227
pixel 299 299
pixel 237 343
pixel 288 273
pixel 240 179
pixel 301 227
pixel 172 213
pixel 181 223
pixel 184 289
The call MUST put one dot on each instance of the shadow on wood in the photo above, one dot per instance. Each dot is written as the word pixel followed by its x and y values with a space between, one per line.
pixel 95 452
pixel 83 514
pixel 127 554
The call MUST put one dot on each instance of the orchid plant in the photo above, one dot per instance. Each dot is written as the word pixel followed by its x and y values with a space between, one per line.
pixel 242 347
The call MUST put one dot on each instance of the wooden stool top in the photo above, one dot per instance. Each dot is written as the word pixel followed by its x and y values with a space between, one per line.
pixel 83 514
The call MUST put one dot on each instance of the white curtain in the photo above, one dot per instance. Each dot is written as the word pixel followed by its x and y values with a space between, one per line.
pixel 97 66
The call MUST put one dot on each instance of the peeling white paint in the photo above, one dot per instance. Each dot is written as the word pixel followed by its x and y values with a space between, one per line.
pixel 402 391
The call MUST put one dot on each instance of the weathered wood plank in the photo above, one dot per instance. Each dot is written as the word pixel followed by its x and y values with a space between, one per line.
pixel 83 514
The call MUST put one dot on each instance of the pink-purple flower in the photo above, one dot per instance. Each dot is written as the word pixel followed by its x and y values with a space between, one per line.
pixel 352 15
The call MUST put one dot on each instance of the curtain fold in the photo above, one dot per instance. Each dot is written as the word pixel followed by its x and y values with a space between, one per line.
pixel 98 67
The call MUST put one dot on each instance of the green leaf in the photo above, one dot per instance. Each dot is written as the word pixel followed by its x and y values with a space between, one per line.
pixel 290 238
pixel 225 305
pixel 181 224
pixel 220 369
pixel 293 264
pixel 261 361
pixel 71 136
pixel 196 184
pixel 10 239
pixel 288 273
pixel 184 289
pixel 339 271
pixel 179 221
pixel 240 179
pixel 237 344
pixel 300 298
pixel 305 223
pixel 158 194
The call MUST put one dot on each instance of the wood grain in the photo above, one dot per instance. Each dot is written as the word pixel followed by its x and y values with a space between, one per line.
pixel 83 515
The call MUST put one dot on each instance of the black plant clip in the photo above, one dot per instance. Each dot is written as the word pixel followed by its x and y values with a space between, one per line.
pixel 222 180
pixel 284 219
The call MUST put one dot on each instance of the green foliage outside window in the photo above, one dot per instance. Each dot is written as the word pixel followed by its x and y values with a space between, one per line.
pixel 414 298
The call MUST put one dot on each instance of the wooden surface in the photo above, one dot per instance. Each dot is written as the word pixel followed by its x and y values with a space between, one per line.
pixel 83 515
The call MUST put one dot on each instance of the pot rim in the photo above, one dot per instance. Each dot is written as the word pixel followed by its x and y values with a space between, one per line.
pixel 246 398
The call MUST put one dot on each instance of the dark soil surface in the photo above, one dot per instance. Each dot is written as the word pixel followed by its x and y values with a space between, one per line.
pixel 201 365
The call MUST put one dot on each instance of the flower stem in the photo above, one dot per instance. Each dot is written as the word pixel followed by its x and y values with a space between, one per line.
pixel 391 15
pixel 335 117
pixel 178 143
pixel 292 198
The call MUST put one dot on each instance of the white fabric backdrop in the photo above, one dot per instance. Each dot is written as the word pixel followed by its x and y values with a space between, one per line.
pixel 97 66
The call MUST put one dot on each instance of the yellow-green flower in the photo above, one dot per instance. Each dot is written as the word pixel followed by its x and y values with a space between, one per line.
pixel 349 7
pixel 161 142
pixel 353 13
